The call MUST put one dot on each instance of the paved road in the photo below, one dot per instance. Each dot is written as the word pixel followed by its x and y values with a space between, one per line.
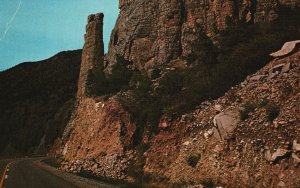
pixel 3 164
pixel 31 173
pixel 24 173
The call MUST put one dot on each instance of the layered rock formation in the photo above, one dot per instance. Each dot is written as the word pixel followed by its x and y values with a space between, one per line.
pixel 36 102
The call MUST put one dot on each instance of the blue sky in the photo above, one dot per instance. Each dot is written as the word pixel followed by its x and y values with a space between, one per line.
pixel 38 29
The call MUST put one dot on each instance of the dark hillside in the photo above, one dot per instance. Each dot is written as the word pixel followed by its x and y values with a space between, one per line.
pixel 36 101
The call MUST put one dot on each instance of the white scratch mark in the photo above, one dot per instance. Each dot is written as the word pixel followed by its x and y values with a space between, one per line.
pixel 10 21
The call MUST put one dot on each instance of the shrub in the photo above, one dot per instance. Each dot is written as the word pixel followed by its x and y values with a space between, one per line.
pixel 247 108
pixel 170 83
pixel 120 75
pixel 193 160
pixel 272 112
pixel 207 183
pixel 288 89
pixel 144 106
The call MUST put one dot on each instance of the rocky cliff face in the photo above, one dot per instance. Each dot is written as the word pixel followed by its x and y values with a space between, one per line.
pixel 227 141
pixel 36 102
pixel 159 32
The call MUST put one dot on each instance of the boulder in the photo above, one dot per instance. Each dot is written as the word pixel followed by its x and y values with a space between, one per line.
pixel 296 158
pixel 218 107
pixel 277 68
pixel 286 68
pixel 257 78
pixel 208 133
pixel 296 146
pixel 286 49
pixel 279 153
pixel 281 184
pixel 226 122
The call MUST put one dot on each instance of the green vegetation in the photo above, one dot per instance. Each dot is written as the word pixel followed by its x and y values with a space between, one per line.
pixel 272 110
pixel 136 166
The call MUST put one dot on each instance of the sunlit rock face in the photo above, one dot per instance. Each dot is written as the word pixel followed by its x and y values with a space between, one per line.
pixel 157 32
pixel 92 54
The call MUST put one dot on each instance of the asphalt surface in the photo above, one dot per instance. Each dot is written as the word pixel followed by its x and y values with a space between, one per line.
pixel 24 173
pixel 29 173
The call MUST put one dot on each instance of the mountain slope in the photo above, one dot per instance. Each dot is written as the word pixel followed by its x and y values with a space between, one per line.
pixel 36 101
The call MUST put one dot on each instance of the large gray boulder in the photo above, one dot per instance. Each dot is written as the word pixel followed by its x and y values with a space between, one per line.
pixel 225 123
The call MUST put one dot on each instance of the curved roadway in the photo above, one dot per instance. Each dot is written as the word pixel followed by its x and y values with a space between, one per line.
pixel 32 173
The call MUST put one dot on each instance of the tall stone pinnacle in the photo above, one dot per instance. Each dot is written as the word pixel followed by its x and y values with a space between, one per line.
pixel 92 55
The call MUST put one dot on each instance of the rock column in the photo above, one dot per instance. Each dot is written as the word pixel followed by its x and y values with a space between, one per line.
pixel 92 56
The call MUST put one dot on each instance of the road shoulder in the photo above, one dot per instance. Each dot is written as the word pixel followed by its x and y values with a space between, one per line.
pixel 76 180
